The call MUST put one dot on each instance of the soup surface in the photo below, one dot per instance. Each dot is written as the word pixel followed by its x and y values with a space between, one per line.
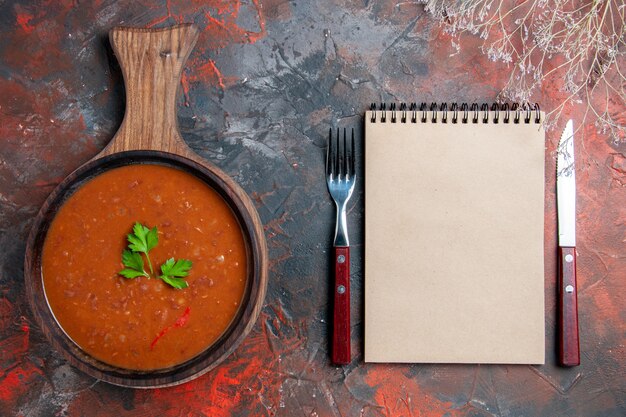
pixel 143 323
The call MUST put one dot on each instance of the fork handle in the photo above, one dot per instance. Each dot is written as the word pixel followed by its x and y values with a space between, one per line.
pixel 341 310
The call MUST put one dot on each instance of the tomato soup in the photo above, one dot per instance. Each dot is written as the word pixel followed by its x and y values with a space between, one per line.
pixel 143 323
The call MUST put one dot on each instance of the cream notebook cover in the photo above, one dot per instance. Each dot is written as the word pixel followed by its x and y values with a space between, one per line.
pixel 454 225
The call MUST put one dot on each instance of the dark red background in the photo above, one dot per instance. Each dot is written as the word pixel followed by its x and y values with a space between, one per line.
pixel 260 90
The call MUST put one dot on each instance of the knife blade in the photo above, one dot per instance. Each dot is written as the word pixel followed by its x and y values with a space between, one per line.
pixel 569 350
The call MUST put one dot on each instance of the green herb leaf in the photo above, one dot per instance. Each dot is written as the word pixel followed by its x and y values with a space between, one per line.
pixel 134 265
pixel 143 240
pixel 174 271
pixel 132 260
pixel 131 273
pixel 177 283
pixel 179 268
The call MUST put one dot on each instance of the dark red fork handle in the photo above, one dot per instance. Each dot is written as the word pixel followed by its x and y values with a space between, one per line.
pixel 341 310
pixel 569 354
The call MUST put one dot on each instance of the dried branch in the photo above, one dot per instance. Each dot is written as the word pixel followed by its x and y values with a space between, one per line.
pixel 578 45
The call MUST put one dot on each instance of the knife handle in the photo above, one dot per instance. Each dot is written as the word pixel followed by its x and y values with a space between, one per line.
pixel 341 307
pixel 569 351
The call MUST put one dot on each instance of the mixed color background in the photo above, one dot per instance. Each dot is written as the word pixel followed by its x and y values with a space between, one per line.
pixel 259 92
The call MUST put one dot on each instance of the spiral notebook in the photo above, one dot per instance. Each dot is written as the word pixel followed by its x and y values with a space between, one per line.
pixel 454 231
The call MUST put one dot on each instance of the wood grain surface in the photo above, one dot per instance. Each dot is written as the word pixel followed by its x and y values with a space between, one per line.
pixel 151 61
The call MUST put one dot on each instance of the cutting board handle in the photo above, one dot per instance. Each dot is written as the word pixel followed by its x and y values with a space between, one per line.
pixel 151 61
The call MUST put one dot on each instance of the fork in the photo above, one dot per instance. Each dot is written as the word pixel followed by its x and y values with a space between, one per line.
pixel 340 178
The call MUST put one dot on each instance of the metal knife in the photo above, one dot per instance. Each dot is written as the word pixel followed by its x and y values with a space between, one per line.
pixel 569 351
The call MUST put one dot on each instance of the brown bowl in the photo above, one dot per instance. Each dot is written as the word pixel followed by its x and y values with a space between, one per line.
pixel 149 135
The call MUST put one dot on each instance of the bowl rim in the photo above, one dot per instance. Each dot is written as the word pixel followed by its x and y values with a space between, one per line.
pixel 245 318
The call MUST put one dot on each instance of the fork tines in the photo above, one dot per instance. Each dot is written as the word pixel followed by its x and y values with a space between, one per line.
pixel 340 156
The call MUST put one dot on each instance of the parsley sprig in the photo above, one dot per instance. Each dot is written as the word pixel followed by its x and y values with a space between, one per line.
pixel 143 240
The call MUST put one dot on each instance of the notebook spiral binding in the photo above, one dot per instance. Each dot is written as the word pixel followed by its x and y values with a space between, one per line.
pixel 484 114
